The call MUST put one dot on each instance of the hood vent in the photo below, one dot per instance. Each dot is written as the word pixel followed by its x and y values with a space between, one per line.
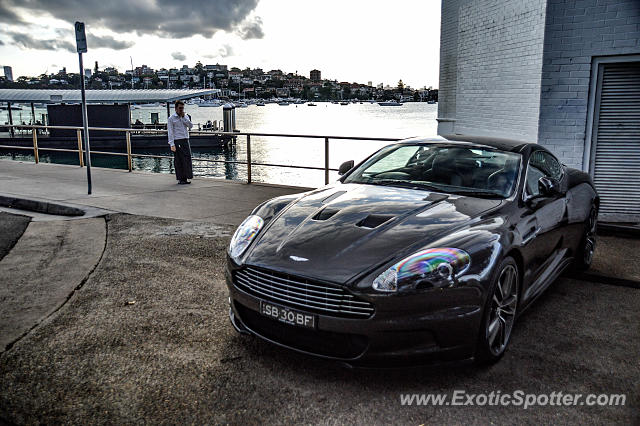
pixel 333 197
pixel 325 213
pixel 374 220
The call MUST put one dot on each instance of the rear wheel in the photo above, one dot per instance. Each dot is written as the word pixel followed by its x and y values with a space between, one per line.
pixel 587 247
pixel 499 313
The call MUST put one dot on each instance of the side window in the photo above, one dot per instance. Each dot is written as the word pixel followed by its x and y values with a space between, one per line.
pixel 541 164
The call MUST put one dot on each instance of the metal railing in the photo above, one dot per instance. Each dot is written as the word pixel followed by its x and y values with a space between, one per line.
pixel 130 155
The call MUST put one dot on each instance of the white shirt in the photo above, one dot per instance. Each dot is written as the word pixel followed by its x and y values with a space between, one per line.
pixel 178 127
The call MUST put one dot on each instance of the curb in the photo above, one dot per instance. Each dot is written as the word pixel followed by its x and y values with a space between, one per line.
pixel 603 279
pixel 619 230
pixel 39 206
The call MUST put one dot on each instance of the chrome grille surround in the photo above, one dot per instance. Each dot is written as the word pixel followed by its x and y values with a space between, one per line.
pixel 300 293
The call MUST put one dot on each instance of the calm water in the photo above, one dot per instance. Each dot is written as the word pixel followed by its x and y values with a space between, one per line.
pixel 362 120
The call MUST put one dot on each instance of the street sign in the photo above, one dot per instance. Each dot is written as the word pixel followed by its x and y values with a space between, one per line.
pixel 81 39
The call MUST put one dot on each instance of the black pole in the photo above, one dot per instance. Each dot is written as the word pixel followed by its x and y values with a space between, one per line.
pixel 87 149
pixel 10 118
pixel 33 114
pixel 168 111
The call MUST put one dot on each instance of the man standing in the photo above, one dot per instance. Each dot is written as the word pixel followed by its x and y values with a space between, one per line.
pixel 178 126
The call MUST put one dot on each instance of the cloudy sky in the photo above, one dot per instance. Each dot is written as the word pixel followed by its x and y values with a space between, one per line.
pixel 354 40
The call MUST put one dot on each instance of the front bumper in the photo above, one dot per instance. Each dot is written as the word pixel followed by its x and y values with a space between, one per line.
pixel 430 326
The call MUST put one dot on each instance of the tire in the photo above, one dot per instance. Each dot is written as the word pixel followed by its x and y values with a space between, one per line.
pixel 499 313
pixel 587 247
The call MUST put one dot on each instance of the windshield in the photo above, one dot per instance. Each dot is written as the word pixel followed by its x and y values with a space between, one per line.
pixel 478 171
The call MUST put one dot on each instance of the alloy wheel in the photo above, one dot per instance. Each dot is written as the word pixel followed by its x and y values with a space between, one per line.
pixel 503 310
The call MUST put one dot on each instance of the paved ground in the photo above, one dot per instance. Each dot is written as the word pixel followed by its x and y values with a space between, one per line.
pixel 146 338
pixel 142 193
pixel 11 228
pixel 42 270
pixel 619 257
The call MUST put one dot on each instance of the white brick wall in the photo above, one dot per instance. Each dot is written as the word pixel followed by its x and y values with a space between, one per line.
pixel 576 31
pixel 491 63
pixel 522 68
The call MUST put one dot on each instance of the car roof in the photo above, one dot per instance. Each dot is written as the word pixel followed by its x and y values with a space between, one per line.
pixel 487 141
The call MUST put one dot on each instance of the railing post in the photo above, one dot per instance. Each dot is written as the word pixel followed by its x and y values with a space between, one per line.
pixel 248 158
pixel 79 136
pixel 326 161
pixel 35 144
pixel 128 134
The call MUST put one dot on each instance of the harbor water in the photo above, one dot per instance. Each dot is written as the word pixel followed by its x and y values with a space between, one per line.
pixel 357 120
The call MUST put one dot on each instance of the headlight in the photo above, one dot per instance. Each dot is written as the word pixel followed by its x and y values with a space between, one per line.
pixel 243 236
pixel 438 267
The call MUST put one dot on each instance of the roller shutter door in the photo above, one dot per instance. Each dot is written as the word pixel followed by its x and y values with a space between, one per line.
pixel 616 170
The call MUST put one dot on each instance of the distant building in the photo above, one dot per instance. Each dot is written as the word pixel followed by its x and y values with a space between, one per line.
pixel 7 72
pixel 216 67
pixel 315 75
pixel 563 74
pixel 87 72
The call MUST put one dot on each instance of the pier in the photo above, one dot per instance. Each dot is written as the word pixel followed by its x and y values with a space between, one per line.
pixel 109 113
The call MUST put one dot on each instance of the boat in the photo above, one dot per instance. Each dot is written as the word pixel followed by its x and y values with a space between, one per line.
pixel 240 104
pixel 431 102
pixel 311 104
pixel 260 104
pixel 283 103
pixel 210 103
pixel 390 103
pixel 344 103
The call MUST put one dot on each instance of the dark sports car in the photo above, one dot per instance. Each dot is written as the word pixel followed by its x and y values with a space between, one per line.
pixel 428 250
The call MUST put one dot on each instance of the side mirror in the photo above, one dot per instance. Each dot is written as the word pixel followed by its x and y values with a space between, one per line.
pixel 548 187
pixel 345 167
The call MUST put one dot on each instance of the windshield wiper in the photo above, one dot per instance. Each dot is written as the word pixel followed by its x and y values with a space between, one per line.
pixel 477 193
pixel 405 184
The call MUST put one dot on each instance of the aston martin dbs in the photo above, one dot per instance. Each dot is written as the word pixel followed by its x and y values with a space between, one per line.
pixel 428 250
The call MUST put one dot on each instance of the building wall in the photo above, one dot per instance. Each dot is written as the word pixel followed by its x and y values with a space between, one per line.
pixel 576 32
pixel 448 65
pixel 490 67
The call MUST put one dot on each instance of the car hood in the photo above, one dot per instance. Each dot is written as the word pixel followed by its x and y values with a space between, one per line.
pixel 343 230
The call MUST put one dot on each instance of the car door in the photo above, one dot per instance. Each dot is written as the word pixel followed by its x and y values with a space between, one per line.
pixel 543 221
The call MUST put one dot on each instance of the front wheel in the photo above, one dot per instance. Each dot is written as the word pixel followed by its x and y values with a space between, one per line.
pixel 499 313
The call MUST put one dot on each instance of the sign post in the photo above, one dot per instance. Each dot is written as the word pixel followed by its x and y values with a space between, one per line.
pixel 81 47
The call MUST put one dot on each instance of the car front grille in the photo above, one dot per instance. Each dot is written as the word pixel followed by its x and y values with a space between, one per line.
pixel 301 293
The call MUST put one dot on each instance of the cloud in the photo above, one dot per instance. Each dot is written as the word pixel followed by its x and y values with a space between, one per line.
pixel 164 18
pixel 178 56
pixel 25 41
pixel 8 15
pixel 222 52
pixel 251 29
pixel 107 42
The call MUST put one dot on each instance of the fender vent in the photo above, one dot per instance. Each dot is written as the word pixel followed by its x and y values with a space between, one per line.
pixel 374 220
pixel 325 213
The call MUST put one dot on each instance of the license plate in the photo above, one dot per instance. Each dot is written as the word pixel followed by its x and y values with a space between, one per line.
pixel 287 315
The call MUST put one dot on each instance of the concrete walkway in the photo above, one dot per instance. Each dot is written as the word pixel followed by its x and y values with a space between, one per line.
pixel 141 193
pixel 40 273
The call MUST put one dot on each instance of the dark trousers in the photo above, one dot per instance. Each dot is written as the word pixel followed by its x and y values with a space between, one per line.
pixel 182 159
